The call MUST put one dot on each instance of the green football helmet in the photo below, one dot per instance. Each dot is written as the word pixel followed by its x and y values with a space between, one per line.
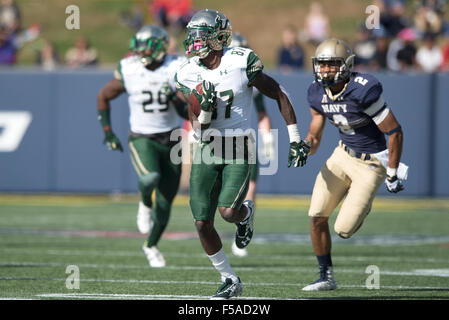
pixel 238 40
pixel 336 54
pixel 150 43
pixel 207 30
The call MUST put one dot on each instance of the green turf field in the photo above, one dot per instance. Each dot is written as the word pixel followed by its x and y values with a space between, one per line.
pixel 40 236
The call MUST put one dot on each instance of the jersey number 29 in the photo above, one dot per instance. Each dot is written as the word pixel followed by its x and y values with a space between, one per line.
pixel 161 100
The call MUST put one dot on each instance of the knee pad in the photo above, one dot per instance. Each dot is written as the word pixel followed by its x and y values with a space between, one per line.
pixel 149 181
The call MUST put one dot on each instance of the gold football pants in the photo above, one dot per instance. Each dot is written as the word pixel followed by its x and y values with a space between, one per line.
pixel 346 177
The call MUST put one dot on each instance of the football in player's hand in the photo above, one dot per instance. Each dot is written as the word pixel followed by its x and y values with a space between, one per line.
pixel 194 105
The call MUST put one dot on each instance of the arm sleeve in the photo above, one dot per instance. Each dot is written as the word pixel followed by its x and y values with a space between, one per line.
pixel 179 86
pixel 253 67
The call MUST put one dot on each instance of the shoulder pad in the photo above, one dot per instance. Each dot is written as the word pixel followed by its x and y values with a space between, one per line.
pixel 314 94
pixel 130 64
pixel 366 88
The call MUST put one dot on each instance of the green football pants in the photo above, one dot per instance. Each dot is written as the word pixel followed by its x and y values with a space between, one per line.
pixel 220 183
pixel 156 171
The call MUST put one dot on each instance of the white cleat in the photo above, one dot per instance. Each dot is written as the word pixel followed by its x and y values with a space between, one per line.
pixel 144 222
pixel 238 252
pixel 325 282
pixel 154 256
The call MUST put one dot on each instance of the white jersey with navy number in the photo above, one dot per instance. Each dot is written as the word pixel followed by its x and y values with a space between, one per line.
pixel 355 111
pixel 232 80
pixel 150 112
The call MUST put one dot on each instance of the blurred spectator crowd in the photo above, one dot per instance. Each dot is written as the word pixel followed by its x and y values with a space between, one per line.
pixel 13 36
pixel 400 43
pixel 408 38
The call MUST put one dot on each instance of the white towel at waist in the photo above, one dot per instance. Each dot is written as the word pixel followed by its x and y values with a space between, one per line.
pixel 402 172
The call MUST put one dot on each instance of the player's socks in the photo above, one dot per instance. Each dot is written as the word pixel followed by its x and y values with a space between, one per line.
pixel 220 262
pixel 324 261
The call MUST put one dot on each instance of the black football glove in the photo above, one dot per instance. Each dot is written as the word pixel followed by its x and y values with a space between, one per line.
pixel 112 142
pixel 298 154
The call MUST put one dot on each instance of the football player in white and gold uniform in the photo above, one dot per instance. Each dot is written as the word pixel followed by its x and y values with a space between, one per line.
pixel 155 111
pixel 227 76
pixel 352 102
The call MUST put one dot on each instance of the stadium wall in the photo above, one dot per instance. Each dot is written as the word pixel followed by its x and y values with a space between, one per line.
pixel 61 149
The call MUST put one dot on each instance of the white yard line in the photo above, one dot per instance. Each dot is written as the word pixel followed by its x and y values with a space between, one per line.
pixel 144 296
pixel 138 253
pixel 213 283
pixel 441 272
pixel 75 295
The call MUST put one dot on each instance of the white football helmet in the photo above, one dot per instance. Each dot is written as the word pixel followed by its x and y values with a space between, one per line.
pixel 207 30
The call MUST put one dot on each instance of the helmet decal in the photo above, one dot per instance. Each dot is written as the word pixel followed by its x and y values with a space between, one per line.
pixel 150 43
pixel 207 30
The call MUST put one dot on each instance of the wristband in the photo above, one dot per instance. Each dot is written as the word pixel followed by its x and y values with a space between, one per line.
pixel 293 133
pixel 391 172
pixel 104 116
pixel 205 117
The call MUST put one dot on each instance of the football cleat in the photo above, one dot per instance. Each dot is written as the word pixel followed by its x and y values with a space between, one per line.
pixel 245 228
pixel 238 252
pixel 154 256
pixel 144 222
pixel 325 282
pixel 228 289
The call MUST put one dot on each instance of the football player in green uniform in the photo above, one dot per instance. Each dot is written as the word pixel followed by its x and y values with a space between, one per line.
pixel 228 76
pixel 264 125
pixel 155 111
